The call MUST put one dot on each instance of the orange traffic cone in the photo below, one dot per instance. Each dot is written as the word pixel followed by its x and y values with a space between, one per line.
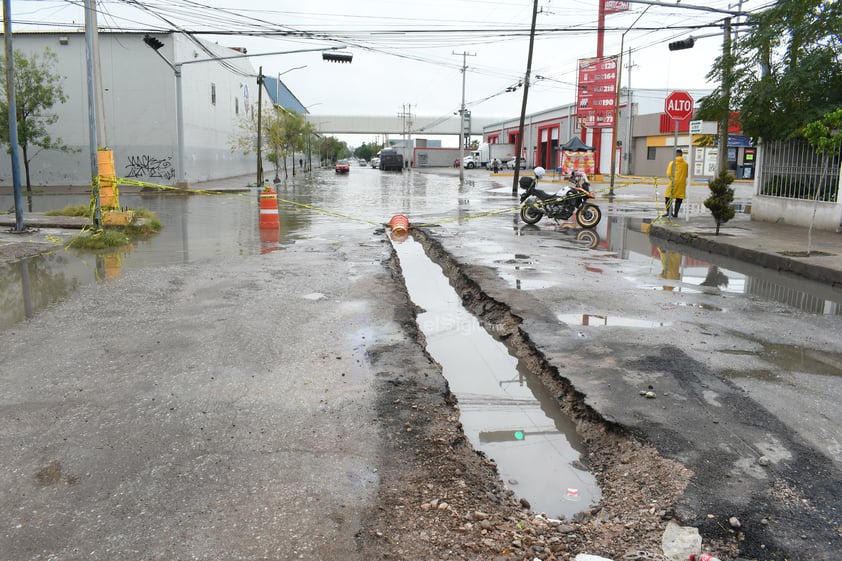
pixel 269 209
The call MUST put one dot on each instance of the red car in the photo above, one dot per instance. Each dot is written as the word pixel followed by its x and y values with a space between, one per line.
pixel 342 166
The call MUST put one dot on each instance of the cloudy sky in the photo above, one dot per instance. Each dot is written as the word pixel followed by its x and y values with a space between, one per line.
pixel 408 54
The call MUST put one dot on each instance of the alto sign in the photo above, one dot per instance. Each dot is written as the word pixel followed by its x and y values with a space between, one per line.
pixel 679 106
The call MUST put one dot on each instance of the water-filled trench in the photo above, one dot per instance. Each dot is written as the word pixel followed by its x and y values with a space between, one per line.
pixel 506 412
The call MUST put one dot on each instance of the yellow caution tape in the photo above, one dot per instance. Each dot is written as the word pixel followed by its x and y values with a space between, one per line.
pixel 302 206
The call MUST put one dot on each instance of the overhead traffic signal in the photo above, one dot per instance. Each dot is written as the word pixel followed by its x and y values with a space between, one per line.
pixel 683 44
pixel 153 42
pixel 338 57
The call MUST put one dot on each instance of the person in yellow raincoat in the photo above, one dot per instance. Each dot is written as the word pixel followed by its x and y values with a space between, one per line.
pixel 677 188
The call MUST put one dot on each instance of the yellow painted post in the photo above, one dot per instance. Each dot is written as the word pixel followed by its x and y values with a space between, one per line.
pixel 108 195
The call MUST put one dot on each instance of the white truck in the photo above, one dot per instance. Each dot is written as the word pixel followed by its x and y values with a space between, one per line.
pixel 486 153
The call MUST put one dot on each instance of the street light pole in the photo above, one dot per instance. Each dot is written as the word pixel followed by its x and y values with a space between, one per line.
pixel 155 44
pixel 617 104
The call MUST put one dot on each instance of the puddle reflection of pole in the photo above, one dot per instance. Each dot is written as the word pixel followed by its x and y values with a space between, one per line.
pixel 27 295
pixel 520 380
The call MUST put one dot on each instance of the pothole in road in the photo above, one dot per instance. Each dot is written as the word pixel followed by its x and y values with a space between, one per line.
pixel 506 411
pixel 788 358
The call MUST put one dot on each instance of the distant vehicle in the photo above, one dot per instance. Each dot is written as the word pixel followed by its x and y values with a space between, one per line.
pixel 375 162
pixel 342 166
pixel 511 164
pixel 362 162
pixel 390 160
pixel 486 153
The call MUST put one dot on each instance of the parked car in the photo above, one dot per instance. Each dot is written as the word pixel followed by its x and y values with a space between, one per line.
pixel 375 162
pixel 511 164
pixel 342 166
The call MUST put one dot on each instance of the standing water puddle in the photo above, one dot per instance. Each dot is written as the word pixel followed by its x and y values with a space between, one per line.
pixel 505 410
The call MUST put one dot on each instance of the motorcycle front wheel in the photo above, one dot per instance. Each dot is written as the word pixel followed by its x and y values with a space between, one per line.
pixel 589 215
pixel 530 214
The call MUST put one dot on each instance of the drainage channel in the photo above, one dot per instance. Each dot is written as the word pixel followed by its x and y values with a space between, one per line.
pixel 506 412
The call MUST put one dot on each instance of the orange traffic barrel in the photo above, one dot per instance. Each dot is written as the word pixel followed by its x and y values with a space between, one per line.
pixel 269 209
pixel 399 224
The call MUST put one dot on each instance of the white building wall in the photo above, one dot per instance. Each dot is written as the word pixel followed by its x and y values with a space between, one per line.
pixel 139 101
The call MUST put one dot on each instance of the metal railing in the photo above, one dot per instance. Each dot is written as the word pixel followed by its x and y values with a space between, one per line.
pixel 792 169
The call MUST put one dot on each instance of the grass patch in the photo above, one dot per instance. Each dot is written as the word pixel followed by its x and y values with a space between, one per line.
pixel 79 210
pixel 101 239
pixel 145 226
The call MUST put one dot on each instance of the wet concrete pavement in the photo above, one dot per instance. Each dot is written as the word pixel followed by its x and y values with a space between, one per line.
pixel 122 402
pixel 727 386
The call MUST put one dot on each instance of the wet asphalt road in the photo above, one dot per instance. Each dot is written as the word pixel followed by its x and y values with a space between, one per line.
pixel 746 387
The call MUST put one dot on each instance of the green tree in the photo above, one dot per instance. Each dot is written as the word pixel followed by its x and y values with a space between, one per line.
pixel 721 198
pixel 367 151
pixel 38 89
pixel 284 134
pixel 293 138
pixel 333 149
pixel 785 69
pixel 825 136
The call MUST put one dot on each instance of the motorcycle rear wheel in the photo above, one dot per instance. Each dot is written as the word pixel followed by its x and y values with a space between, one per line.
pixel 589 215
pixel 530 214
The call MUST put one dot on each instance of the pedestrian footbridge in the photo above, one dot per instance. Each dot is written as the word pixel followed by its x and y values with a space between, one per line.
pixel 399 125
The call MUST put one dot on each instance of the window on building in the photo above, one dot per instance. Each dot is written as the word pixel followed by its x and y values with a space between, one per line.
pixel 650 153
pixel 213 94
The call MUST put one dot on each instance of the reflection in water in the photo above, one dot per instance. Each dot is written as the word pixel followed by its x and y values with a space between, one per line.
pixel 597 320
pixel 31 284
pixel 505 410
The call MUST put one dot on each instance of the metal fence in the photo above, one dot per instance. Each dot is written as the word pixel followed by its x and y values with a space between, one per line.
pixel 792 169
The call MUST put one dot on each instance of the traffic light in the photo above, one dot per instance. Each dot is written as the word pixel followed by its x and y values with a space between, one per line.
pixel 153 42
pixel 338 57
pixel 683 44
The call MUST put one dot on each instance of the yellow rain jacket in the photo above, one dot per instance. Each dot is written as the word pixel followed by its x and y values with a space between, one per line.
pixel 679 190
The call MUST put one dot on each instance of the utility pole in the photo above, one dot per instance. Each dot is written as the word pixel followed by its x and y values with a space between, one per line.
pixel 519 143
pixel 13 118
pixel 259 128
pixel 92 113
pixel 406 128
pixel 722 164
pixel 465 54
pixel 101 134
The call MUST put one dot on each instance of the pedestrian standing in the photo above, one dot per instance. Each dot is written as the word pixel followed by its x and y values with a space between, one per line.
pixel 677 189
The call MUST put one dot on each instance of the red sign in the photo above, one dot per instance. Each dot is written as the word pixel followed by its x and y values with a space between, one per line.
pixel 614 6
pixel 597 92
pixel 679 106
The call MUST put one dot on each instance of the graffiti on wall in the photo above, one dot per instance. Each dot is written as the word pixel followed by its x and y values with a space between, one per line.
pixel 148 166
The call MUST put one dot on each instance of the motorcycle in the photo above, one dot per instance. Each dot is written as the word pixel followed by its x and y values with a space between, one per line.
pixel 536 203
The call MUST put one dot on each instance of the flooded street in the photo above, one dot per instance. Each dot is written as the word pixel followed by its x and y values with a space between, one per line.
pixel 612 283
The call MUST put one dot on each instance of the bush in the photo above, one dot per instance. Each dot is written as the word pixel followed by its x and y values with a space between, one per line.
pixel 721 200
